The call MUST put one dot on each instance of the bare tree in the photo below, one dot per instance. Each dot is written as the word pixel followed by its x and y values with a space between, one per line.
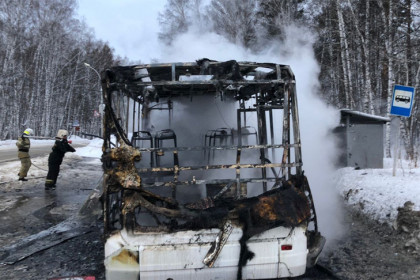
pixel 234 20
pixel 274 16
pixel 174 19
pixel 42 77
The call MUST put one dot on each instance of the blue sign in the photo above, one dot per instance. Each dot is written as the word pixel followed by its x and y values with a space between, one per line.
pixel 402 101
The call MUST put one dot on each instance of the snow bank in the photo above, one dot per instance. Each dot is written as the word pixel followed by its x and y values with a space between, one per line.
pixel 11 144
pixel 377 193
pixel 93 149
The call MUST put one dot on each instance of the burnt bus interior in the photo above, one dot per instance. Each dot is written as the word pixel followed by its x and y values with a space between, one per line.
pixel 188 146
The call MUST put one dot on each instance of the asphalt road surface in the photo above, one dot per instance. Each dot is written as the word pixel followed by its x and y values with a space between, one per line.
pixel 50 234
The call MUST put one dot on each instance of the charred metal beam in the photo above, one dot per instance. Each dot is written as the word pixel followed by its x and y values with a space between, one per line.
pixel 238 174
pixel 200 148
pixel 220 166
pixel 218 83
pixel 286 131
pixel 296 131
pixel 211 181
pixel 262 135
pixel 223 191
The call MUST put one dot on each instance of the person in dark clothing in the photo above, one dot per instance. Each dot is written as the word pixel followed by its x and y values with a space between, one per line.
pixel 61 146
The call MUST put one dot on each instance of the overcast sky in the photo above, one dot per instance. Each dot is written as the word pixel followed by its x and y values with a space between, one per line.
pixel 129 26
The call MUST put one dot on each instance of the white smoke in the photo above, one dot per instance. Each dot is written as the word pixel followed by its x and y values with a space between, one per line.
pixel 316 119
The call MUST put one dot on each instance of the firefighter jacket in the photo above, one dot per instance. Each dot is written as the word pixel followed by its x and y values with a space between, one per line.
pixel 23 144
pixel 58 150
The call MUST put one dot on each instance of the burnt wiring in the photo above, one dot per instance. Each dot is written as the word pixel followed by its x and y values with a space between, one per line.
pixel 220 113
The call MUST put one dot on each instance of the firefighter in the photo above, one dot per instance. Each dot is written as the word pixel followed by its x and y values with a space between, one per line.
pixel 23 144
pixel 61 146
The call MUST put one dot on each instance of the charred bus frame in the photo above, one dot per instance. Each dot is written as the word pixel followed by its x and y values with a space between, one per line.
pixel 130 93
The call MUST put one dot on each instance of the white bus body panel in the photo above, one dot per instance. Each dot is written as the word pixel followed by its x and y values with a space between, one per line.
pixel 180 255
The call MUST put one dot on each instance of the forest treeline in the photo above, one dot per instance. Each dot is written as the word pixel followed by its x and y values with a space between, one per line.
pixel 44 83
pixel 363 49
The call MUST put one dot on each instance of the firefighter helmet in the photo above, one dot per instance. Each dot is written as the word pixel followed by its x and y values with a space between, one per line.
pixel 62 133
pixel 28 132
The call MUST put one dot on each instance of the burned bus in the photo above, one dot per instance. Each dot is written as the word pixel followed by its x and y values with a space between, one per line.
pixel 203 173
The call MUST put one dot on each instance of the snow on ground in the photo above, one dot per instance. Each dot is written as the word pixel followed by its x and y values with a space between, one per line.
pixel 93 149
pixel 375 192
pixel 39 168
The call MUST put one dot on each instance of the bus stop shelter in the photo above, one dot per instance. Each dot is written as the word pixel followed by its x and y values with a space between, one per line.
pixel 361 139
